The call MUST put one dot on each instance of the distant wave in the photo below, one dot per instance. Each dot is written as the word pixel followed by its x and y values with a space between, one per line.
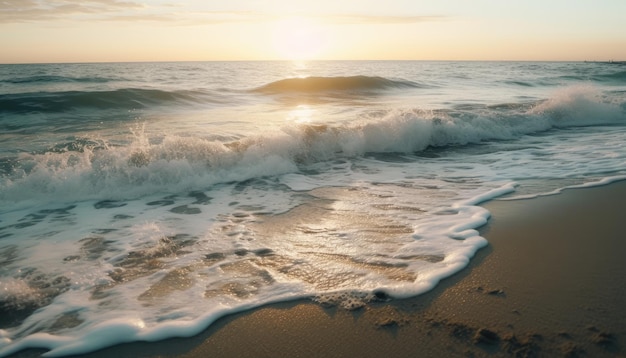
pixel 335 84
pixel 520 83
pixel 57 79
pixel 608 77
pixel 126 98
pixel 617 76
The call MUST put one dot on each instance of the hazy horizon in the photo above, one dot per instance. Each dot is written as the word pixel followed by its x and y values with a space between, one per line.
pixel 65 31
pixel 302 61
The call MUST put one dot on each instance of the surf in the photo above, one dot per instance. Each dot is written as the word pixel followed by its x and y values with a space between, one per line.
pixel 119 224
pixel 88 168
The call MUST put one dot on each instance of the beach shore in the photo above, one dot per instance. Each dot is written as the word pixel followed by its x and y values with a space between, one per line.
pixel 550 283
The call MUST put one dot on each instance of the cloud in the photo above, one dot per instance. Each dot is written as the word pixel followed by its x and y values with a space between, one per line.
pixel 48 11
pixel 220 17
pixel 40 10
pixel 348 19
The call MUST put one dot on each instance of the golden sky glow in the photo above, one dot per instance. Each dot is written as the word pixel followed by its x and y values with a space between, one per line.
pixel 299 38
pixel 163 30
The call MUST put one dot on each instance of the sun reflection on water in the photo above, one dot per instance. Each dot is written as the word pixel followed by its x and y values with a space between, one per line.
pixel 301 114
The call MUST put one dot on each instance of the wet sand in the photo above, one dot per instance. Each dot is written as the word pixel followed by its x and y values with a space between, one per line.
pixel 550 284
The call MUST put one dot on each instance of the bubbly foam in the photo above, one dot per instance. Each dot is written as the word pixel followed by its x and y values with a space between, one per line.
pixel 176 163
pixel 114 237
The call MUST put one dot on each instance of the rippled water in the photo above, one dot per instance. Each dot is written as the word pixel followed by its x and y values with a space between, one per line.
pixel 143 201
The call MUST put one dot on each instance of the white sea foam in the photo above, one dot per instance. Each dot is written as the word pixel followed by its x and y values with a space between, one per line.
pixel 174 163
pixel 580 105
pixel 108 238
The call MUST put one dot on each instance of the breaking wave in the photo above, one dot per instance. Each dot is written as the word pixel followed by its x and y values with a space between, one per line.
pixel 92 168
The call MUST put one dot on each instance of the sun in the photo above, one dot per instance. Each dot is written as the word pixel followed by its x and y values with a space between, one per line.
pixel 298 39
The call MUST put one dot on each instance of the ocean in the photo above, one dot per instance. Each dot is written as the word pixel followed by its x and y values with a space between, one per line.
pixel 143 201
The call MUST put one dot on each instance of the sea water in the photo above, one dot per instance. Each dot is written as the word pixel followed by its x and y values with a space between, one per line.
pixel 141 201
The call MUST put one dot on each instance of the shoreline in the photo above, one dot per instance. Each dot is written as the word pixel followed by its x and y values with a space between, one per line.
pixel 548 284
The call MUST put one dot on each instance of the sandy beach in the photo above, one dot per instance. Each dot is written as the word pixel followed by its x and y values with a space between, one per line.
pixel 550 283
pixel 312 179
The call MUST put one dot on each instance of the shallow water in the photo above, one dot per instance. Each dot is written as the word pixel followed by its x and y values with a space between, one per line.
pixel 143 201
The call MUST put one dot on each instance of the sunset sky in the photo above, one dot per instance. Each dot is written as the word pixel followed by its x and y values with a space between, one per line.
pixel 168 30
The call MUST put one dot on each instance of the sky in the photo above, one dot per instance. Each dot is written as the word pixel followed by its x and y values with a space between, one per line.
pixel 34 31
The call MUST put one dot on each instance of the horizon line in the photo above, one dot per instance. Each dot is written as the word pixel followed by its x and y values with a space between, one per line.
pixel 610 61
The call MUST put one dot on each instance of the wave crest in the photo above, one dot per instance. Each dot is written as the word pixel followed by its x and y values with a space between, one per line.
pixel 87 168
pixel 335 84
